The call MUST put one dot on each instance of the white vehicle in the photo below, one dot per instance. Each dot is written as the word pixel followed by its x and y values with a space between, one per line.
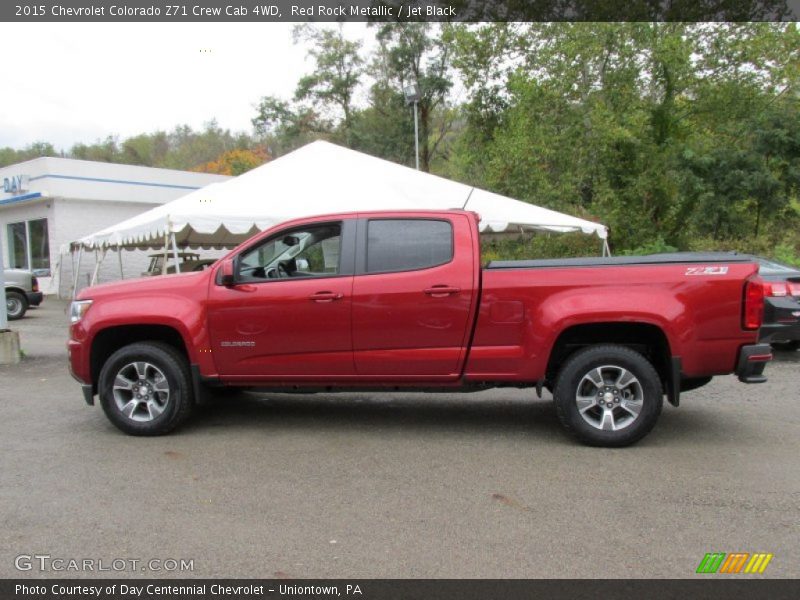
pixel 22 292
pixel 189 261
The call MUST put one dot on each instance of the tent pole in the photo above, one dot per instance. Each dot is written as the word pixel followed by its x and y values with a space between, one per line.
pixel 77 273
pixel 55 277
pixel 98 260
pixel 119 258
pixel 175 252
pixel 96 267
pixel 166 250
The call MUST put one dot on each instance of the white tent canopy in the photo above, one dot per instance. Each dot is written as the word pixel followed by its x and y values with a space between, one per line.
pixel 319 178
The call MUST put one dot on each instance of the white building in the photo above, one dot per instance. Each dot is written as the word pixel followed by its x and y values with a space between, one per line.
pixel 48 202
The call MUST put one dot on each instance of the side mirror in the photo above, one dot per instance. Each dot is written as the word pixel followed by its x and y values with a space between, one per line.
pixel 225 274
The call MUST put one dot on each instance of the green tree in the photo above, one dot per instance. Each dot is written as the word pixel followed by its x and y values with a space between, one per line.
pixel 283 126
pixel 337 71
pixel 9 156
pixel 662 130
pixel 106 150
pixel 414 54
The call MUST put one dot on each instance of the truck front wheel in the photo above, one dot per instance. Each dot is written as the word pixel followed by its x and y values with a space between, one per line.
pixel 16 305
pixel 608 396
pixel 145 388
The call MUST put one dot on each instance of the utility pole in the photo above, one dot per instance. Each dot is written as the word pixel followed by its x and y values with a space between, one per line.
pixel 3 313
pixel 416 132
pixel 411 92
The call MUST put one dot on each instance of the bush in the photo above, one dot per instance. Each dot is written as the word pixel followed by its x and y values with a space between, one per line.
pixel 657 246
pixel 538 245
pixel 785 250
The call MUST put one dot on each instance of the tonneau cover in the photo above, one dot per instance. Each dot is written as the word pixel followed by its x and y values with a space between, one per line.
pixel 649 259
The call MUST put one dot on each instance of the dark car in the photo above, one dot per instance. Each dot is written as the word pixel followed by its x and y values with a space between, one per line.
pixel 781 326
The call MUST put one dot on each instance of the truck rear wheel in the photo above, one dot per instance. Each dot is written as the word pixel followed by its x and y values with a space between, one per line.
pixel 145 388
pixel 608 396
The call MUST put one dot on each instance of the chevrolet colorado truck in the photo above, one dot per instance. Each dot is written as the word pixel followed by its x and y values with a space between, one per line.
pixel 399 301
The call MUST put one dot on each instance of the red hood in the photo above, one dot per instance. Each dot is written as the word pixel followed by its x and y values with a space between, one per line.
pixel 144 285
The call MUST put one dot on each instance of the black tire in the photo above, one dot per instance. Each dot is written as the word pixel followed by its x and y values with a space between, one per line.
pixel 579 373
pixel 163 365
pixel 16 305
pixel 786 346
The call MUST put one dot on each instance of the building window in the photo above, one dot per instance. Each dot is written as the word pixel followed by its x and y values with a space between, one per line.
pixel 17 246
pixel 29 246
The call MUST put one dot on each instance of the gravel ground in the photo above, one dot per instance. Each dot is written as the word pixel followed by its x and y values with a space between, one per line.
pixel 393 485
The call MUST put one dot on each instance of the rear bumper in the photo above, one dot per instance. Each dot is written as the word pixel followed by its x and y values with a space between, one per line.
pixel 779 332
pixel 781 320
pixel 34 298
pixel 752 360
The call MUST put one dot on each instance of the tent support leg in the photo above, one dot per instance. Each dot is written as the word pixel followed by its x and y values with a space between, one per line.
pixel 119 258
pixel 55 277
pixel 166 253
pixel 175 253
pixel 93 280
pixel 77 273
pixel 98 260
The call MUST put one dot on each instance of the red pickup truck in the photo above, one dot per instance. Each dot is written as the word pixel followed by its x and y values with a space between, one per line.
pixel 398 300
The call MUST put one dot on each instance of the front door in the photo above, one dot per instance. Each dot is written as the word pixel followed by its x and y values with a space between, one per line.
pixel 288 316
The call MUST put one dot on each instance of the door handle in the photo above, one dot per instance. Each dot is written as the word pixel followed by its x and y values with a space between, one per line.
pixel 440 291
pixel 244 287
pixel 326 296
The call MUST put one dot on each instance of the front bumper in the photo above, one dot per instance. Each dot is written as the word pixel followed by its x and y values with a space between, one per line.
pixel 34 298
pixel 752 360
pixel 76 360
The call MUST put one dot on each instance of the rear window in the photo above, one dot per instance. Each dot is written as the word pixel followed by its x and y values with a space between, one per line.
pixel 408 244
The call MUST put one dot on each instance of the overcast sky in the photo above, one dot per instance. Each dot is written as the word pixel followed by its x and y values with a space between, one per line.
pixel 68 83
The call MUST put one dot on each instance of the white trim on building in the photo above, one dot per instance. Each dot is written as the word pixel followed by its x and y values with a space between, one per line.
pixel 48 202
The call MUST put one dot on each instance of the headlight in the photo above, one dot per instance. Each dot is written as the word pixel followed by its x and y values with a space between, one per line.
pixel 78 309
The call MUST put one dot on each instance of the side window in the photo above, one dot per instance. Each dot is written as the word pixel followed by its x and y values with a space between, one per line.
pixel 408 244
pixel 307 252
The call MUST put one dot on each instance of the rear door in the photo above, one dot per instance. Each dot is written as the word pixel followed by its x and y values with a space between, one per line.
pixel 412 296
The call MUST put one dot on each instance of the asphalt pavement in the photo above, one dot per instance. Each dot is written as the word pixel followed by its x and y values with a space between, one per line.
pixel 392 484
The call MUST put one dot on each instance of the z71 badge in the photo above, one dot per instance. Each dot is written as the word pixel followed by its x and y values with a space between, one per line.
pixel 706 270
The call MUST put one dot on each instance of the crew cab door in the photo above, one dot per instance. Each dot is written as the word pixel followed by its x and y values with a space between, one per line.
pixel 412 295
pixel 287 314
